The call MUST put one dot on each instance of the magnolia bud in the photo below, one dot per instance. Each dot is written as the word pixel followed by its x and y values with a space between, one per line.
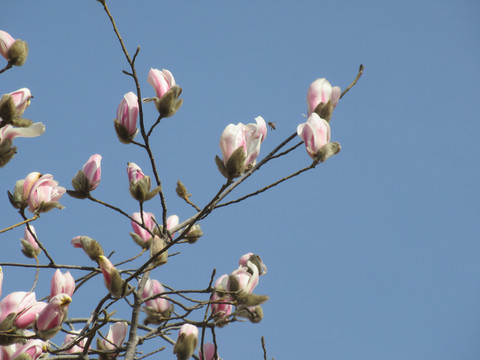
pixel 158 244
pixel 187 342
pixel 194 234
pixel 18 52
pixel 328 150
pixel 91 247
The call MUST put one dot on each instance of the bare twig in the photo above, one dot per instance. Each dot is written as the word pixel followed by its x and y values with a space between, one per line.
pixel 360 72
pixel 35 217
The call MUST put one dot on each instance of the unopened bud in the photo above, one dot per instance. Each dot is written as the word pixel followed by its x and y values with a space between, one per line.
pixel 18 52
pixel 169 104
pixel 182 191
pixel 91 247
pixel 16 199
pixel 325 110
pixel 328 150
pixel 194 234
pixel 140 189
pixel 157 245
pixel 187 342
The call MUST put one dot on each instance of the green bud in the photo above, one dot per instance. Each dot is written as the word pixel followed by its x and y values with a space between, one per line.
pixel 236 163
pixel 169 104
pixel 140 189
pixel 251 299
pixel 157 245
pixel 325 110
pixel 28 250
pixel 18 52
pixel 16 199
pixel 328 150
pixel 7 152
pixel 8 109
pixel 81 185
pixel 122 133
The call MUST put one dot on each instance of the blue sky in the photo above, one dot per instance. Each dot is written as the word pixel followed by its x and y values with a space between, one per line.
pixel 372 255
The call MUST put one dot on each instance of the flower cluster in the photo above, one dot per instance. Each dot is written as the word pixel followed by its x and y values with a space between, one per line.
pixel 322 98
pixel 20 310
pixel 12 124
pixel 236 289
pixel 240 145
pixel 39 192
pixel 157 308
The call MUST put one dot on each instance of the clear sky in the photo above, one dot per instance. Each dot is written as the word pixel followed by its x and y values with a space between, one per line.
pixel 373 255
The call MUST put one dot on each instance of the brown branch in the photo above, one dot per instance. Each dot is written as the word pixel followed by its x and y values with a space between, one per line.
pixel 35 217
pixel 360 72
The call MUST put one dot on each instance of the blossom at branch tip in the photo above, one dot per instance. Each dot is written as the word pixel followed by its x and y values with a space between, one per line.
pixel 114 339
pixel 62 284
pixel 141 236
pixel 14 51
pixel 88 178
pixel 30 247
pixel 23 305
pixel 69 338
pixel 140 183
pixel 93 171
pixel 44 194
pixel 186 342
pixel 50 320
pixel 115 285
pixel 6 41
pixel 322 92
pixel 161 80
pixel 158 309
pixel 240 146
pixel 91 246
pixel 127 115
pixel 315 133
pixel 21 99
pixel 34 348
pixel 208 352
pixel 255 260
pixel 166 91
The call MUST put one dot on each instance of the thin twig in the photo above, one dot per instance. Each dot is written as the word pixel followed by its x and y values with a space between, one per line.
pixel 35 217
pixel 360 72
pixel 268 187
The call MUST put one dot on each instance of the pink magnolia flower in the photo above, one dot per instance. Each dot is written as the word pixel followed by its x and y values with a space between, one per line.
pixel 27 317
pixel 315 133
pixel 6 41
pixel 45 190
pixel 69 338
pixel 21 99
pixel 162 81
pixel 114 339
pixel 11 132
pixel 1 280
pixel 256 260
pixel 249 136
pixel 30 247
pixel 172 221
pixel 113 281
pixel 50 320
pixel 135 173
pixel 62 284
pixel 221 305
pixel 93 171
pixel 34 348
pixel 22 303
pixel 149 220
pixel 208 352
pixel 157 309
pixel 186 342
pixel 127 113
pixel 321 91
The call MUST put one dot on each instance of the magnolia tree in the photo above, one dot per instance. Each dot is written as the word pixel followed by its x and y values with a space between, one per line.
pixel 186 320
